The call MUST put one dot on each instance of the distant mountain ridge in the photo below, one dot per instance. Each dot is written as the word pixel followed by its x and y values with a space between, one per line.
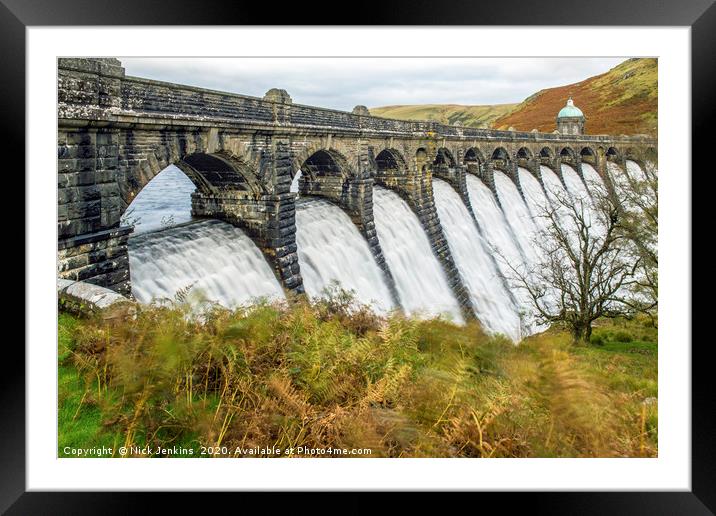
pixel 623 100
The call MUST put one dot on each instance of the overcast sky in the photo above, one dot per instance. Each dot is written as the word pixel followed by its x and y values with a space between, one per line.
pixel 342 83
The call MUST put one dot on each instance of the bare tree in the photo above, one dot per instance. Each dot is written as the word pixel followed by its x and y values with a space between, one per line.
pixel 587 263
pixel 637 191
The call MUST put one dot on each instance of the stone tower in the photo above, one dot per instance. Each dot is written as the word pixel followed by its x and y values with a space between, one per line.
pixel 570 119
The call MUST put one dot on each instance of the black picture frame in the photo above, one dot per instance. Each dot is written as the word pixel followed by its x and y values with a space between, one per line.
pixel 700 15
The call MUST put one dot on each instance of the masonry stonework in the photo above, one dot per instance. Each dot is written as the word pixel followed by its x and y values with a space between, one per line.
pixel 116 132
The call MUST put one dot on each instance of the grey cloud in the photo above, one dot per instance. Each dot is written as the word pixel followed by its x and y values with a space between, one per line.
pixel 342 83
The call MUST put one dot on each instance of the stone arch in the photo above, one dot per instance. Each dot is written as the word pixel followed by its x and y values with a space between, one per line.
pixel 500 158
pixel 567 152
pixel 474 154
pixel 500 153
pixel 336 155
pixel 587 151
pixel 324 172
pixel 444 157
pixel 472 160
pixel 546 152
pixel 631 154
pixel 211 173
pixel 390 162
pixel 613 153
pixel 524 153
pixel 588 155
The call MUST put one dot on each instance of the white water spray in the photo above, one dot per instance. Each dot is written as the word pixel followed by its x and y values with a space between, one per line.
pixel 421 283
pixel 495 309
pixel 215 259
pixel 332 250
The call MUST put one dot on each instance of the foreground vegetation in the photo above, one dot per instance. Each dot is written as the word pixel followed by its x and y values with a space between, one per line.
pixel 333 376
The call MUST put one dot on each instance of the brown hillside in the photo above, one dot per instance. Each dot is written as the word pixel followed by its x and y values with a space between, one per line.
pixel 623 100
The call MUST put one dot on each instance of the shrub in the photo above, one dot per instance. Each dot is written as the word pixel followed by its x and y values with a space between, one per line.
pixel 597 339
pixel 623 336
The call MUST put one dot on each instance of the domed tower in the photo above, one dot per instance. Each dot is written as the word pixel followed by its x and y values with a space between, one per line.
pixel 570 119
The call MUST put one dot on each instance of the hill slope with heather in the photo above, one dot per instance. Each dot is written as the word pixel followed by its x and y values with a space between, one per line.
pixel 623 100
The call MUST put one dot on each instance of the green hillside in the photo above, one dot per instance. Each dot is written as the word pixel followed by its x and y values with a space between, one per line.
pixel 468 116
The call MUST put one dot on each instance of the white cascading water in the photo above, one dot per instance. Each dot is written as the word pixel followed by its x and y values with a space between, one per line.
pixel 517 214
pixel 619 178
pixel 331 249
pixel 635 172
pixel 494 226
pixel 164 202
pixel 419 279
pixel 535 199
pixel 538 205
pixel 552 183
pixel 294 182
pixel 555 191
pixel 217 260
pixel 592 177
pixel 575 185
pixel 494 307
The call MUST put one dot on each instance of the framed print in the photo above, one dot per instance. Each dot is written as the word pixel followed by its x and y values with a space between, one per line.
pixel 377 257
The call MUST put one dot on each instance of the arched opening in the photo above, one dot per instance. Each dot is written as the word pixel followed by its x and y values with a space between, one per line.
pixel 500 158
pixel 612 153
pixel 566 153
pixel 215 172
pixel 473 159
pixel 444 163
pixel 588 155
pixel 156 201
pixel 546 153
pixel 523 157
pixel 325 173
pixel 444 157
pixel 389 162
pixel 323 163
pixel 163 202
pixel 524 153
pixel 186 240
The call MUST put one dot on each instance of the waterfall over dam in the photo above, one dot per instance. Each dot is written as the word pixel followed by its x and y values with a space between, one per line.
pixel 171 252
pixel 518 215
pixel 421 283
pixel 332 250
pixel 212 258
pixel 492 302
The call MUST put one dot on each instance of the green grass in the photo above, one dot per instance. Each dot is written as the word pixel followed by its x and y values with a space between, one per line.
pixel 79 417
pixel 332 374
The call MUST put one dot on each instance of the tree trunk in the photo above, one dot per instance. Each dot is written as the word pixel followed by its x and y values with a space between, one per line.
pixel 581 332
